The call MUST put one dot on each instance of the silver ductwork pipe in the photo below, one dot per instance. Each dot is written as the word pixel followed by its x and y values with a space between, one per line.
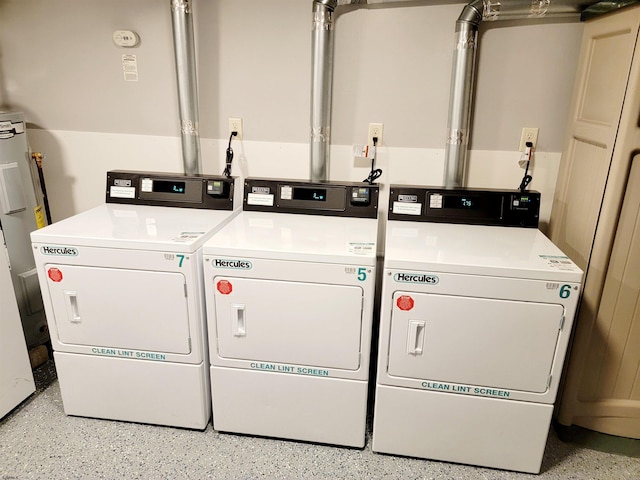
pixel 462 79
pixel 183 43
pixel 322 41
pixel 464 65
pixel 321 87
pixel 461 96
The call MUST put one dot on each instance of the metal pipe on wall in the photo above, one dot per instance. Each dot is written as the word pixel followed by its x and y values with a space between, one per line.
pixel 321 87
pixel 183 43
pixel 322 42
pixel 462 79
pixel 461 94
pixel 464 65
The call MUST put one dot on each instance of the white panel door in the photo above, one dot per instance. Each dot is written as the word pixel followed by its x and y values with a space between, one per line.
pixel 600 90
pixel 289 322
pixel 477 341
pixel 119 308
pixel 16 379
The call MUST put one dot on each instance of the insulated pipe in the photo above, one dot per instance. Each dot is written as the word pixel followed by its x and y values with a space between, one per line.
pixel 183 43
pixel 321 80
pixel 464 63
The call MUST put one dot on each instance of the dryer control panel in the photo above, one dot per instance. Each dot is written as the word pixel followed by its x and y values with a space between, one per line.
pixel 310 198
pixel 211 192
pixel 510 208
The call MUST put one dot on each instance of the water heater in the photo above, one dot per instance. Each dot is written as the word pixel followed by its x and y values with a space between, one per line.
pixel 21 212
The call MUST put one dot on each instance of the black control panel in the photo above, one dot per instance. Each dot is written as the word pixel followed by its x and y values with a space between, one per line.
pixel 297 196
pixel 510 208
pixel 211 192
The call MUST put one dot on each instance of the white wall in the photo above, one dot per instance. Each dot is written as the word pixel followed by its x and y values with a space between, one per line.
pixel 59 65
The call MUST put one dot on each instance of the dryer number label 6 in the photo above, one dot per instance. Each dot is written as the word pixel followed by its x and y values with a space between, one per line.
pixel 565 291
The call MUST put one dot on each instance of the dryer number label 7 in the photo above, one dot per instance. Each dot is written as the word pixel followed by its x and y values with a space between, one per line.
pixel 173 257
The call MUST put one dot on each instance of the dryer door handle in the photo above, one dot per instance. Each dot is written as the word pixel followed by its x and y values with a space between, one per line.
pixel 71 300
pixel 415 342
pixel 239 319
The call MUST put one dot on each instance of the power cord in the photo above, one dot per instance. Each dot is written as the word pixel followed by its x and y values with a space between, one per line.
pixel 526 180
pixel 375 172
pixel 227 170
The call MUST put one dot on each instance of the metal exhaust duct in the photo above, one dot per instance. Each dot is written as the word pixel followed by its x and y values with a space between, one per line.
pixel 464 66
pixel 321 87
pixel 322 41
pixel 462 79
pixel 461 95
pixel 183 43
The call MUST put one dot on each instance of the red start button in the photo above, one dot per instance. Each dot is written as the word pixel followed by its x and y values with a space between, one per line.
pixel 55 274
pixel 405 302
pixel 224 287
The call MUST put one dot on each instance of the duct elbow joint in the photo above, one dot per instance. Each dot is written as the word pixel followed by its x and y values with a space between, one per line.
pixel 472 14
pixel 329 4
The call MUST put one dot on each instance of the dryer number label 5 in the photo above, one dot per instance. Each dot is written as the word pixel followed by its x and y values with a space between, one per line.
pixel 360 272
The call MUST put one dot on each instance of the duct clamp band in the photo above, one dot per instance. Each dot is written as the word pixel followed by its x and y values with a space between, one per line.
pixel 491 11
pixel 189 127
pixel 466 40
pixel 177 5
pixel 457 137
pixel 539 8
pixel 320 134
pixel 322 20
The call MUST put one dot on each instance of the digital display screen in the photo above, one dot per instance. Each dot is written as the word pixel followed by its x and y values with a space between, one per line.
pixel 460 202
pixel 167 186
pixel 312 194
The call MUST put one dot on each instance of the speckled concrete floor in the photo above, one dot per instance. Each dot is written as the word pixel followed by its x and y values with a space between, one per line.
pixel 38 441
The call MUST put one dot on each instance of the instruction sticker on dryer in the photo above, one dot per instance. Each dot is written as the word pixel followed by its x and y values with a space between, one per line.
pixel 263 199
pixel 362 248
pixel 406 208
pixel 188 236
pixel 559 262
pixel 122 192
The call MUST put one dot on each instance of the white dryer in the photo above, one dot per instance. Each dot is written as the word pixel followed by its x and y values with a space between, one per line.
pixel 290 291
pixel 475 323
pixel 122 289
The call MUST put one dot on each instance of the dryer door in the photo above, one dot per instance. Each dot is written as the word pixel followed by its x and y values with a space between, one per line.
pixel 289 322
pixel 475 341
pixel 119 308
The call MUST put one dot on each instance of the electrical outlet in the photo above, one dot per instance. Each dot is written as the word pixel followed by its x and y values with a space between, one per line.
pixel 528 135
pixel 235 125
pixel 375 130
